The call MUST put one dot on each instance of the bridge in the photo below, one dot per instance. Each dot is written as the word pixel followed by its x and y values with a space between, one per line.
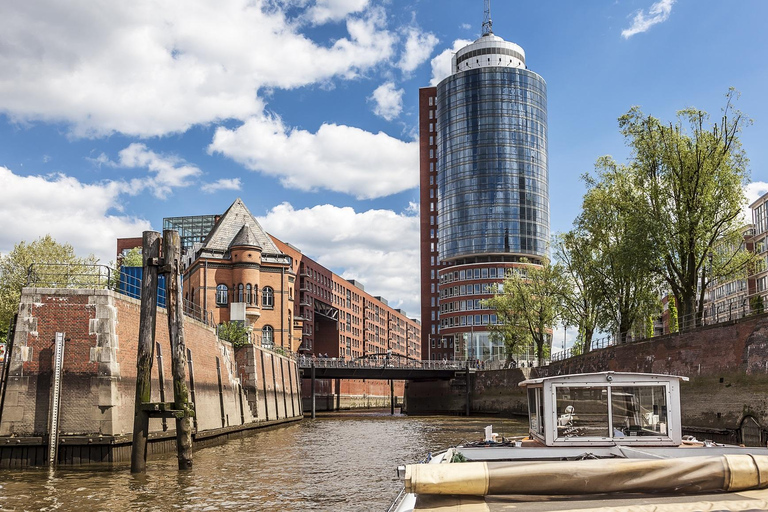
pixel 392 367
pixel 384 366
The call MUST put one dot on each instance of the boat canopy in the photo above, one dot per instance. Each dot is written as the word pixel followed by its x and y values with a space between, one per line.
pixel 605 408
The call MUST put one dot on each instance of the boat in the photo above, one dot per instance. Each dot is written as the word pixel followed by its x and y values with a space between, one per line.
pixel 607 441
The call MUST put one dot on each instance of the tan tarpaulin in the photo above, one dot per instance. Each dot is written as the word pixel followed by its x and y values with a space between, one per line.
pixel 686 475
pixel 732 502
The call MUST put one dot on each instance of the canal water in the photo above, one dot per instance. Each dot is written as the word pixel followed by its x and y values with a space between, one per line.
pixel 338 462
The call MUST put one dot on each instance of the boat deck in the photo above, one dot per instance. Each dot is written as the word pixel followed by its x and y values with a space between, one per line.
pixel 731 502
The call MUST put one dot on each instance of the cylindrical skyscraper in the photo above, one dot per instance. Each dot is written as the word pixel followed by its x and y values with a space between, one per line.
pixel 484 191
pixel 492 155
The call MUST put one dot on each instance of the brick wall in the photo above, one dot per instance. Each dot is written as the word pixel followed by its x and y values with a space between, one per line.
pixel 99 369
pixel 727 365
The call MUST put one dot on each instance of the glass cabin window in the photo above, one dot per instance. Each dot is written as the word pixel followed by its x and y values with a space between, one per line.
pixel 582 411
pixel 639 411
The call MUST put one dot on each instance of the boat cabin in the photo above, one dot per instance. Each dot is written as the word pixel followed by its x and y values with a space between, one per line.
pixel 605 409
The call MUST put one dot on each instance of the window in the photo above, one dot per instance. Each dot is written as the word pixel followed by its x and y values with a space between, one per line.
pixel 267 297
pixel 240 295
pixel 267 336
pixel 221 295
pixel 248 295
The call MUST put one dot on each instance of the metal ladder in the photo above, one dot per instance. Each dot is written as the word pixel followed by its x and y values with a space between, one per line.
pixel 58 363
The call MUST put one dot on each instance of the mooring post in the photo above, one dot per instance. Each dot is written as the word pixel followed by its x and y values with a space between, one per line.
pixel 147 319
pixel 391 397
pixel 172 256
pixel 312 393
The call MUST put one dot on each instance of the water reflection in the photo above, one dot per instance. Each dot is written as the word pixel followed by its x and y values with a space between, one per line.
pixel 336 462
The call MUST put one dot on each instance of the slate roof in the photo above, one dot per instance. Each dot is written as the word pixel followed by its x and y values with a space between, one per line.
pixel 245 237
pixel 237 224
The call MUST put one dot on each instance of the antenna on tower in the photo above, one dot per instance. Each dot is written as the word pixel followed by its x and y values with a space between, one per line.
pixel 487 23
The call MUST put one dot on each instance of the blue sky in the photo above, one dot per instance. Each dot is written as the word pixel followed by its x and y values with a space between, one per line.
pixel 115 114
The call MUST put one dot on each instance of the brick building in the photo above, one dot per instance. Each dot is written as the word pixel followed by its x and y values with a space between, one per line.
pixel 238 272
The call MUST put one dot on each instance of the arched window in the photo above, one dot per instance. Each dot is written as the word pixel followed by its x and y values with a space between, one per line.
pixel 221 295
pixel 267 336
pixel 268 297
pixel 240 297
pixel 248 298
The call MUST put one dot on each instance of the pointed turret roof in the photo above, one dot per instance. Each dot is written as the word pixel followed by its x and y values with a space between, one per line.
pixel 230 226
pixel 245 238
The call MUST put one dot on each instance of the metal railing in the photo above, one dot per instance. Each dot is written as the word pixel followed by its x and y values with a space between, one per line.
pixel 56 275
pixel 712 315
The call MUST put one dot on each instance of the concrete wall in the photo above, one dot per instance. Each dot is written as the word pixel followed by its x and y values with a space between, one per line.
pixel 727 365
pixel 99 372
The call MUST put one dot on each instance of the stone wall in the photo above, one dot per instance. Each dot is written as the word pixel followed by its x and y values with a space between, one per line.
pixel 99 372
pixel 727 365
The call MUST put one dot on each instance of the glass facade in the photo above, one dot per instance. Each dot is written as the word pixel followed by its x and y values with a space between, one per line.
pixel 192 229
pixel 492 158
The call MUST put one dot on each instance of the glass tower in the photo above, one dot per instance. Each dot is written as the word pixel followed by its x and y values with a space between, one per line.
pixel 484 192
pixel 492 155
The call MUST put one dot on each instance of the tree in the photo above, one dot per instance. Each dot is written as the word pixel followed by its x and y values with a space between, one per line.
pixel 619 245
pixel 510 328
pixel 691 176
pixel 582 290
pixel 54 265
pixel 756 305
pixel 530 304
pixel 234 332
pixel 132 258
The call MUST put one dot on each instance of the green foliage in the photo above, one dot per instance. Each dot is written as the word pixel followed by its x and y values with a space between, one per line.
pixel 528 307
pixel 235 333
pixel 690 176
pixel 70 270
pixel 756 305
pixel 619 248
pixel 133 258
pixel 673 319
pixel 649 326
pixel 582 293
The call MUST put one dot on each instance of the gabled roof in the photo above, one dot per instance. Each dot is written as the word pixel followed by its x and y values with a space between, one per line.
pixel 230 226
pixel 245 238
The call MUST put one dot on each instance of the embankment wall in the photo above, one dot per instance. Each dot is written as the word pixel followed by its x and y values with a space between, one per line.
pixel 727 365
pixel 232 389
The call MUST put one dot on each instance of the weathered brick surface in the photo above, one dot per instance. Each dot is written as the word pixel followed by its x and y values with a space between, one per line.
pixel 727 366
pixel 99 369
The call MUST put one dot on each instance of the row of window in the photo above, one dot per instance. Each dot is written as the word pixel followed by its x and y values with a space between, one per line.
pixel 245 293
pixel 475 273
pixel 463 305
pixel 458 321
pixel 478 289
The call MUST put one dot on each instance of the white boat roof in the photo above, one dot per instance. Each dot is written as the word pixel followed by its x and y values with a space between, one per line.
pixel 601 377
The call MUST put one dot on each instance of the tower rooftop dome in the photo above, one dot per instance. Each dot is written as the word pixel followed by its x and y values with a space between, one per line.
pixel 489 50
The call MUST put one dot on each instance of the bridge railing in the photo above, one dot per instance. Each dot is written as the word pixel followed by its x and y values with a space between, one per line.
pixel 370 363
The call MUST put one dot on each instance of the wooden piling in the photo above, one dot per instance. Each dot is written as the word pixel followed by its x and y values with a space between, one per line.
pixel 391 397
pixel 172 254
pixel 147 321
pixel 312 393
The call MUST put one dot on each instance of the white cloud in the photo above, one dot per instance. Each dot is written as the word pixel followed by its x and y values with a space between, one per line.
pixel 222 184
pixel 334 10
pixel 388 101
pixel 753 192
pixel 336 157
pixel 466 26
pixel 441 63
pixel 61 206
pixel 379 248
pixel 169 171
pixel 418 48
pixel 150 68
pixel 658 13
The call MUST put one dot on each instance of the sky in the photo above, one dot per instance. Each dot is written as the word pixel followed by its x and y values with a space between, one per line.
pixel 115 114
